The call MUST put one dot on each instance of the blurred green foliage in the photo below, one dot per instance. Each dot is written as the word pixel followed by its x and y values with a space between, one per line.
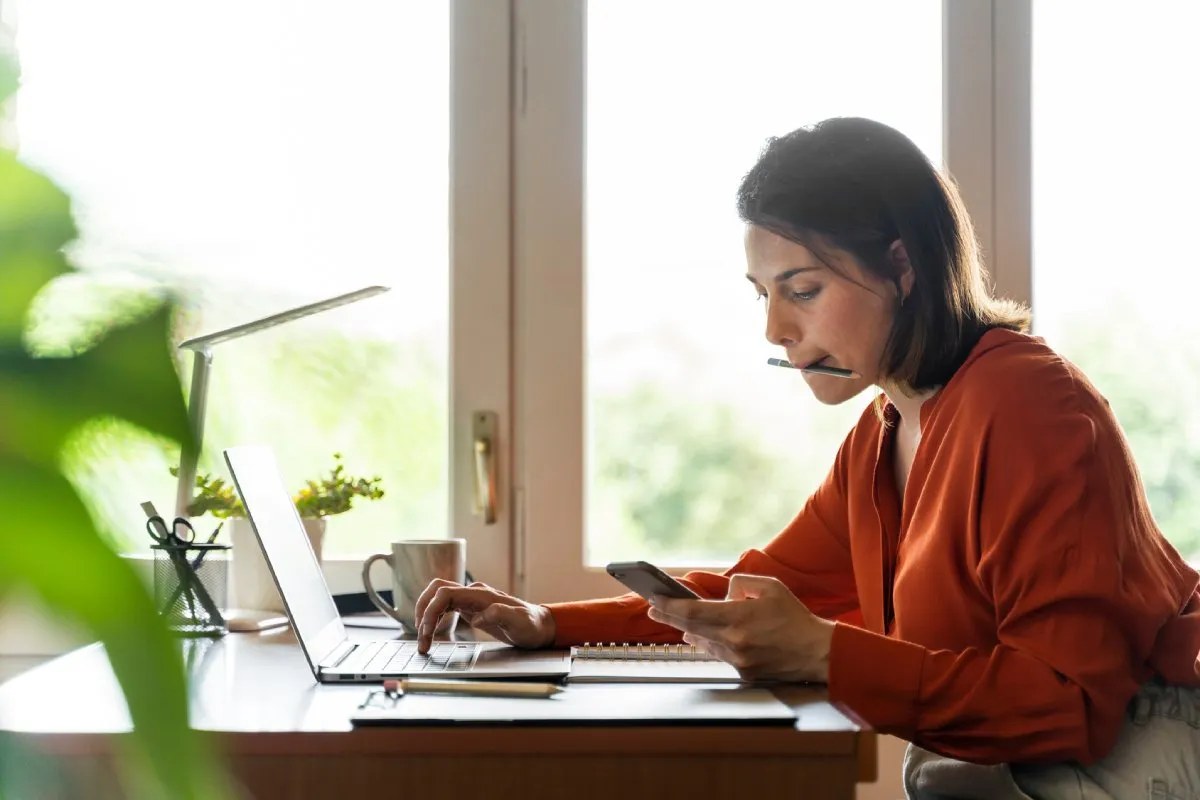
pixel 687 482
pixel 50 543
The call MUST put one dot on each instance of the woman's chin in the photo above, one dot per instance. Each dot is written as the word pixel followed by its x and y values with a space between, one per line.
pixel 832 391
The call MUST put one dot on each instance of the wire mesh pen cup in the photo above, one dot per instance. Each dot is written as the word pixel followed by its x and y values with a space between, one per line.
pixel 190 585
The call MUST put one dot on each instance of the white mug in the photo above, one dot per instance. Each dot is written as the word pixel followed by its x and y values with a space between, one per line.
pixel 414 563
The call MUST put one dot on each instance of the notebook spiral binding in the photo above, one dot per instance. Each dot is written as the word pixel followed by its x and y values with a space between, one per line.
pixel 636 651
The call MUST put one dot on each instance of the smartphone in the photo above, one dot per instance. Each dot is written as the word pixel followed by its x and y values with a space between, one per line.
pixel 647 579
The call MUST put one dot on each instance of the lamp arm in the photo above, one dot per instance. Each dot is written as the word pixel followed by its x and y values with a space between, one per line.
pixel 189 458
pixel 202 346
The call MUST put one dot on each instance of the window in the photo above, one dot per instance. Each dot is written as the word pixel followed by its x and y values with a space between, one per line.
pixel 260 156
pixel 696 448
pixel 649 423
pixel 1115 268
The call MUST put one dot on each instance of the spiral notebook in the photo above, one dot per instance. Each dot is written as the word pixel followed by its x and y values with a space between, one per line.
pixel 647 663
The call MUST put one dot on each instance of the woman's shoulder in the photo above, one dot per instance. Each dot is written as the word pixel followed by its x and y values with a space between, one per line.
pixel 1010 374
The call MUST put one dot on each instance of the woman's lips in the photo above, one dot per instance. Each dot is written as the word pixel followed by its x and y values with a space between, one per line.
pixel 820 367
pixel 815 367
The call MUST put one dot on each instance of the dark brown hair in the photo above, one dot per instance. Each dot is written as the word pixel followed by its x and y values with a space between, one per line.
pixel 857 186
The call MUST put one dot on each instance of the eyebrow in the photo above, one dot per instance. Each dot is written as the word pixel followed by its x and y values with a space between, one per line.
pixel 784 276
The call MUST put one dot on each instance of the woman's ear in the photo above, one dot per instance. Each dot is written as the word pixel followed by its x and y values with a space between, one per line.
pixel 902 270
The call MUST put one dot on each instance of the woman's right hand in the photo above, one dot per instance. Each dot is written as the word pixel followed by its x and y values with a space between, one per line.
pixel 502 616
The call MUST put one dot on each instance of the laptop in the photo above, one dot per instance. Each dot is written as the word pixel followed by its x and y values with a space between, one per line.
pixel 333 657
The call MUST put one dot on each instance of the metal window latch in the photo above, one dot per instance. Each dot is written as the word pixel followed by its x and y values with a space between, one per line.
pixel 483 435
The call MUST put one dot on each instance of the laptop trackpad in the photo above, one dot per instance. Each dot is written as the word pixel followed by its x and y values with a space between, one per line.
pixel 511 661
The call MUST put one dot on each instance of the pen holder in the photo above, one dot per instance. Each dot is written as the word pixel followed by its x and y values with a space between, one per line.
pixel 190 586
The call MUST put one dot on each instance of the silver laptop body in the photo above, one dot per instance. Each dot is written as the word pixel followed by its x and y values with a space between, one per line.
pixel 333 657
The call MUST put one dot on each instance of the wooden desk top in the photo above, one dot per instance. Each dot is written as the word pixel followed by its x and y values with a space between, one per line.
pixel 257 691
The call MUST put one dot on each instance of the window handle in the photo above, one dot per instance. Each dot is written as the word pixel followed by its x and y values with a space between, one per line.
pixel 484 436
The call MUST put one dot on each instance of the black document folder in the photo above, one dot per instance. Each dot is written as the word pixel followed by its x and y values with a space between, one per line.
pixel 592 704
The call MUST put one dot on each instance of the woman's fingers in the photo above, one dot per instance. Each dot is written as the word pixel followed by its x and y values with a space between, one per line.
pixel 498 614
pixel 707 618
pixel 446 598
pixel 710 646
pixel 745 587
pixel 426 596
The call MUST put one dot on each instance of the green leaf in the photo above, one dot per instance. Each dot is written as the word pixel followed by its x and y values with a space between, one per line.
pixel 71 569
pixel 127 375
pixel 48 540
pixel 35 224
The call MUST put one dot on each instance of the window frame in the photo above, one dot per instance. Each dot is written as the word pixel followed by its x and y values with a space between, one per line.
pixel 481 280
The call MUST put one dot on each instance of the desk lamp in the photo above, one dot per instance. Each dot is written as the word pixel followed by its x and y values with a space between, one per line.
pixel 201 347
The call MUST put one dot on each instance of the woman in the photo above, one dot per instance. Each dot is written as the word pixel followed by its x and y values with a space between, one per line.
pixel 980 572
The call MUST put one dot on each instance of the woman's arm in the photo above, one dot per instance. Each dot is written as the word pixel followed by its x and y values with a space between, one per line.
pixel 811 556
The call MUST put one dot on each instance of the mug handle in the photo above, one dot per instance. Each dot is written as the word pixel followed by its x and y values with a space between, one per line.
pixel 372 595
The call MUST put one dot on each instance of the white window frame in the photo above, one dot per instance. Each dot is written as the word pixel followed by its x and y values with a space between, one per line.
pixel 987 85
pixel 481 275
pixel 986 111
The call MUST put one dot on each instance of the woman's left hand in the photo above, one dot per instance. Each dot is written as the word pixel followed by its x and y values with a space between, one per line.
pixel 760 628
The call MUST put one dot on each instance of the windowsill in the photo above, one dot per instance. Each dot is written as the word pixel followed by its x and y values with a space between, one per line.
pixel 29 631
pixel 343 573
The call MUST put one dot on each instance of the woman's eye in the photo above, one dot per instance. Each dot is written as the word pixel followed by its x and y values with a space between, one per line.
pixel 805 296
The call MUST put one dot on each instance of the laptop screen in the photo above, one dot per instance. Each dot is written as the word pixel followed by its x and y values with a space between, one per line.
pixel 287 549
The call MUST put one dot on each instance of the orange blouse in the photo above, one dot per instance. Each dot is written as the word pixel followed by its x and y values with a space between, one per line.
pixel 1010 604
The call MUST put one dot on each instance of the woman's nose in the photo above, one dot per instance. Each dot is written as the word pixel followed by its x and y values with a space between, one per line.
pixel 780 330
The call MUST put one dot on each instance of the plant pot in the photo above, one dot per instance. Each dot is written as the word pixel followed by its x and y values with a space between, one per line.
pixel 251 586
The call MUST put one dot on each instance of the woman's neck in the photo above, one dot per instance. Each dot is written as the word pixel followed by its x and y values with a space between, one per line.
pixel 908 406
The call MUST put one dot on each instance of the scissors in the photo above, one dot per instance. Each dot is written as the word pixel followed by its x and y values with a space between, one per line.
pixel 195 565
pixel 180 534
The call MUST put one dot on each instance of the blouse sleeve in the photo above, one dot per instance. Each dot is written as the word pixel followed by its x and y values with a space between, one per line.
pixel 811 555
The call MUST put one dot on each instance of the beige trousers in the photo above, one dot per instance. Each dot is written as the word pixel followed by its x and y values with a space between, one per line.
pixel 1157 757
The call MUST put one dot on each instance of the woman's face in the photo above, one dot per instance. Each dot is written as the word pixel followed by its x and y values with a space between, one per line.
pixel 818 315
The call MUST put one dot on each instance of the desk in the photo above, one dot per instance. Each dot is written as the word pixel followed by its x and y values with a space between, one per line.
pixel 286 736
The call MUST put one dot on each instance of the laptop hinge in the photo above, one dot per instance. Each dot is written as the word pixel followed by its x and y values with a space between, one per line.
pixel 339 654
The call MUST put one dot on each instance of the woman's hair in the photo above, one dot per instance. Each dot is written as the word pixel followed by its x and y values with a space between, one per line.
pixel 858 186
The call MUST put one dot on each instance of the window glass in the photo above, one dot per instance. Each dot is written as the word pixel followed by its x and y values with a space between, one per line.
pixel 1116 272
pixel 696 448
pixel 259 156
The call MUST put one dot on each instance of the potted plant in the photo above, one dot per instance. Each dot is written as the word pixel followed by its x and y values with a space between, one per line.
pixel 316 501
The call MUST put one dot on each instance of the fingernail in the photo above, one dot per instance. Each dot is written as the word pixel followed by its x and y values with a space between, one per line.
pixel 654 600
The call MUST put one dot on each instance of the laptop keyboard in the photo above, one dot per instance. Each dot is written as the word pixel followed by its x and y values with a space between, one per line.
pixel 382 658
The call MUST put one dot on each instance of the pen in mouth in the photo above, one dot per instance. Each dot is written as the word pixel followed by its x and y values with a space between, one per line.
pixel 817 369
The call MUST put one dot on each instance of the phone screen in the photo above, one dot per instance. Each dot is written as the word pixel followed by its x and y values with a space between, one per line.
pixel 647 579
